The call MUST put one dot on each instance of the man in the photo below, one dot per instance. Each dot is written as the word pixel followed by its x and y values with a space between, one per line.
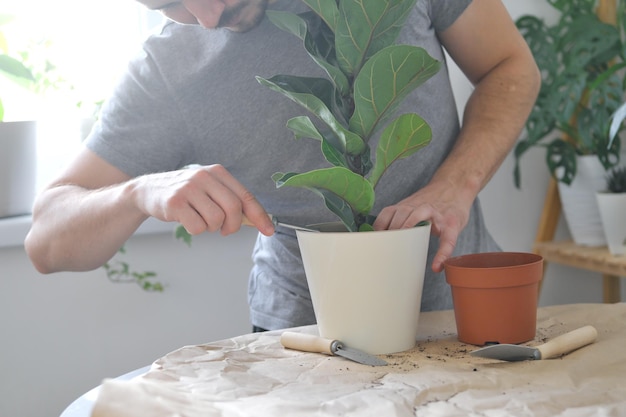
pixel 191 98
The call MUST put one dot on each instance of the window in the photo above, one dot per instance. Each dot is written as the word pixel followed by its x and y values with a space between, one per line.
pixel 88 43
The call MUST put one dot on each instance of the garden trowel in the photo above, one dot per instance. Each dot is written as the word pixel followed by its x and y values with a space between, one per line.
pixel 310 228
pixel 556 347
pixel 316 344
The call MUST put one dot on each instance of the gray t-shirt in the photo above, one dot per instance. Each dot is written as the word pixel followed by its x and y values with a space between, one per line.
pixel 191 97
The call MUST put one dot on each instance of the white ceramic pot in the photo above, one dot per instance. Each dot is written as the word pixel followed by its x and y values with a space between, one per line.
pixel 580 206
pixel 18 167
pixel 367 287
pixel 613 214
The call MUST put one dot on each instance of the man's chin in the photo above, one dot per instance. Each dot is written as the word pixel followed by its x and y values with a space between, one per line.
pixel 245 19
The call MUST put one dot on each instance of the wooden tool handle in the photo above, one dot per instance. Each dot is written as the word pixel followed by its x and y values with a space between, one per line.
pixel 306 342
pixel 245 221
pixel 568 342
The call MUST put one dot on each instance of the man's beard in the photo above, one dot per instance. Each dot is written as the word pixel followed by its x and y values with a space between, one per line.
pixel 254 13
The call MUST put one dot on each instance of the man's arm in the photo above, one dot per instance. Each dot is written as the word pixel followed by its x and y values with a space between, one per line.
pixel 86 215
pixel 488 48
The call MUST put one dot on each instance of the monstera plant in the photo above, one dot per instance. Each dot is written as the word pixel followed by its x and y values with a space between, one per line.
pixel 368 75
pixel 583 62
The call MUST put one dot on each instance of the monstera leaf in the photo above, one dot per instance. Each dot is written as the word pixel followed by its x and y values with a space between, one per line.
pixel 582 61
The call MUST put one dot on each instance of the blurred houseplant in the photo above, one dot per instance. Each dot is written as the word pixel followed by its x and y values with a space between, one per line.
pixel 583 61
pixel 11 66
pixel 612 206
pixel 576 117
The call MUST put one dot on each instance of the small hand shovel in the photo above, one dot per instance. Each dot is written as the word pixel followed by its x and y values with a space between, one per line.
pixel 311 343
pixel 556 347
pixel 310 228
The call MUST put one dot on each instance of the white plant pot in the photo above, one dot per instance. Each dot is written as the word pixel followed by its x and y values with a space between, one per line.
pixel 580 206
pixel 613 214
pixel 367 287
pixel 18 167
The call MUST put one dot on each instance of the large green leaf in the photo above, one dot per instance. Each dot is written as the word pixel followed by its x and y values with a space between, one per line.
pixel 326 9
pixel 303 127
pixel 296 25
pixel 384 81
pixel 365 27
pixel 355 190
pixel 403 137
pixel 561 98
pixel 561 160
pixel 305 92
pixel 338 206
pixel 616 121
pixel 541 43
pixel 586 40
pixel 15 68
pixel 568 6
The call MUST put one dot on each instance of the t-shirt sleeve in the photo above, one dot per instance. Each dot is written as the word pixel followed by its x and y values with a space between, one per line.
pixel 140 130
pixel 445 12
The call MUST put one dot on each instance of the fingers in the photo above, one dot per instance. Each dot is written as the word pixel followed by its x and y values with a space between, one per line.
pixel 258 217
pixel 402 216
pixel 202 199
pixel 447 223
pixel 223 202
pixel 447 243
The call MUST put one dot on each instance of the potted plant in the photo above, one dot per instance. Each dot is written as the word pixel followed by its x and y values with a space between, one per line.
pixel 583 62
pixel 368 75
pixel 612 206
pixel 17 142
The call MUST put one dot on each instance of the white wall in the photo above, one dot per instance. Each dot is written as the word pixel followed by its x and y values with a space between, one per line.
pixel 62 334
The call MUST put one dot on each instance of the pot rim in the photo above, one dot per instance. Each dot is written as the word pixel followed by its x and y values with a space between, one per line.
pixel 473 278
pixel 347 233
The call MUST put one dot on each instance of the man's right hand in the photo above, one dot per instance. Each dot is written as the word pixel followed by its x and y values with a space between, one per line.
pixel 206 198
pixel 82 218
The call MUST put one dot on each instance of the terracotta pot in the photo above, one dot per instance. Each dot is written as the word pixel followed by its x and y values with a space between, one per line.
pixel 495 296
pixel 366 287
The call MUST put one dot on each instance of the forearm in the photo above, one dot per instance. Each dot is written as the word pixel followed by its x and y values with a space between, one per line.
pixel 77 229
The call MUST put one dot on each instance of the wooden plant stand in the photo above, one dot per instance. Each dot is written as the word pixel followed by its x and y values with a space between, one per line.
pixel 596 259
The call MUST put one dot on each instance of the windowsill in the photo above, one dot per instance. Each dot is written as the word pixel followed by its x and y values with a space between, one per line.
pixel 13 230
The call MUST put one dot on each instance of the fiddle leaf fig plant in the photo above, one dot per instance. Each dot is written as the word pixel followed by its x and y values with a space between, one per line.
pixel 368 76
